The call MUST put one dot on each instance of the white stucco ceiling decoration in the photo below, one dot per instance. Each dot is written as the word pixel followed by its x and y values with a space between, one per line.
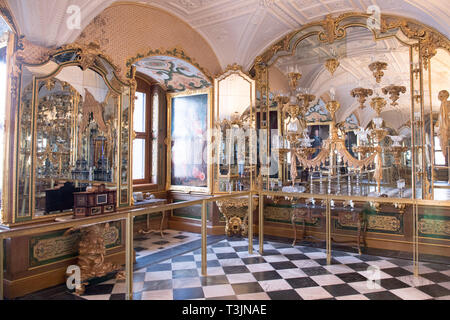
pixel 237 30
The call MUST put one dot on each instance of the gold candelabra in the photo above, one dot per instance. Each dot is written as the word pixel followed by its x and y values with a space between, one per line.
pixel 394 93
pixel 377 68
pixel 362 94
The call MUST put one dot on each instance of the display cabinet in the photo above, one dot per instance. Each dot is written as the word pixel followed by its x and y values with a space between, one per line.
pixel 72 132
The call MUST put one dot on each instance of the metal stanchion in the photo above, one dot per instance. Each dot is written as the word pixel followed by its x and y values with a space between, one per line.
pixel 416 239
pixel 261 224
pixel 129 257
pixel 204 237
pixel 328 231
pixel 250 223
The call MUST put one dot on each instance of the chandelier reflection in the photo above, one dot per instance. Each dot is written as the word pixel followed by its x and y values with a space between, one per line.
pixel 334 154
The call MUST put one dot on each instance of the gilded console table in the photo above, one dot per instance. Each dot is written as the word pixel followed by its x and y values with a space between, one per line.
pixel 235 212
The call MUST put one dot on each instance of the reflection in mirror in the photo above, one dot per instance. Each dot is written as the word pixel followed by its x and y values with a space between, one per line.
pixel 124 151
pixel 24 151
pixel 360 89
pixel 437 78
pixel 6 38
pixel 69 134
pixel 235 96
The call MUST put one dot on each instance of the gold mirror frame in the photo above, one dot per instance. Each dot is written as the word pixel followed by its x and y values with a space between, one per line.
pixel 422 40
pixel 27 55
pixel 232 70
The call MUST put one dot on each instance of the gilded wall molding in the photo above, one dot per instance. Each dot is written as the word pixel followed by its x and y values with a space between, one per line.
pixel 232 68
pixel 332 29
pixel 5 11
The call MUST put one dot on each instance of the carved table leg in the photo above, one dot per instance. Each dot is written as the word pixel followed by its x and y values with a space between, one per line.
pixel 359 236
pixel 163 216
pixel 294 216
pixel 304 228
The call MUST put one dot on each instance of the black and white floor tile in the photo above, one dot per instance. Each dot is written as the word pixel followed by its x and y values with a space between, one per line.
pixel 282 272
pixel 145 245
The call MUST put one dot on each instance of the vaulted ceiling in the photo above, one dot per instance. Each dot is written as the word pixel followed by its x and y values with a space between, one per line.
pixel 237 30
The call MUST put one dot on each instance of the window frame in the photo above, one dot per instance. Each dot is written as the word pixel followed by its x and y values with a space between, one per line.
pixel 438 150
pixel 146 87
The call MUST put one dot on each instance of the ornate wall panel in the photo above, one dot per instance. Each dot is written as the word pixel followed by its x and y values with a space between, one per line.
pixel 431 226
pixel 390 223
pixel 56 246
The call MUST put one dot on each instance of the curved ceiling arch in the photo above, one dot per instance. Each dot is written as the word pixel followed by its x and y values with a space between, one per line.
pixel 237 31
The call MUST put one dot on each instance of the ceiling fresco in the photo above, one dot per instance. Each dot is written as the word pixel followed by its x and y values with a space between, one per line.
pixel 173 73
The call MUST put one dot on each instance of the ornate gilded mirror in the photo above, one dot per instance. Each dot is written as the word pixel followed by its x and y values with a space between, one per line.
pixel 368 86
pixel 73 120
pixel 234 159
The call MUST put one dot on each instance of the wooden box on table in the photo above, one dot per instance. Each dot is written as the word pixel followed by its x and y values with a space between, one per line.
pixel 95 202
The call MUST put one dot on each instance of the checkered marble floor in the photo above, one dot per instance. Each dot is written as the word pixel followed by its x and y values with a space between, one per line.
pixel 145 245
pixel 283 272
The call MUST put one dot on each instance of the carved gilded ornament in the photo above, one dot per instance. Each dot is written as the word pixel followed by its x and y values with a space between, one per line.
pixel 374 222
pixel 394 93
pixel 235 212
pixel 332 65
pixel 334 29
pixel 435 227
pixel 377 68
pixel 92 252
pixel 378 104
pixel 362 94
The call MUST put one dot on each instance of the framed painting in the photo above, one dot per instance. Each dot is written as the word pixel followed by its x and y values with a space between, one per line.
pixel 189 120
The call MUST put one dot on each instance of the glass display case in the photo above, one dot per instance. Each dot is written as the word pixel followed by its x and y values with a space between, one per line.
pixel 73 133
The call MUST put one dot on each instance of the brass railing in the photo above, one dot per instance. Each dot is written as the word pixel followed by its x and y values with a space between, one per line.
pixel 129 216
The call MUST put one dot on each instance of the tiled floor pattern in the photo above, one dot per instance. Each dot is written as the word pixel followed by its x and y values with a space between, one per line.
pixel 282 272
pixel 145 245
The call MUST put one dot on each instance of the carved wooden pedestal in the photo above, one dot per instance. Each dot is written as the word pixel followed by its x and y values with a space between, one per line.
pixel 92 252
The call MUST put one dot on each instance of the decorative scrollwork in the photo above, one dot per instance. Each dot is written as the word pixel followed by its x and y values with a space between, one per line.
pixel 332 31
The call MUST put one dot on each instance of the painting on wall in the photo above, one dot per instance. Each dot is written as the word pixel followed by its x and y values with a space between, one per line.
pixel 175 74
pixel 188 134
